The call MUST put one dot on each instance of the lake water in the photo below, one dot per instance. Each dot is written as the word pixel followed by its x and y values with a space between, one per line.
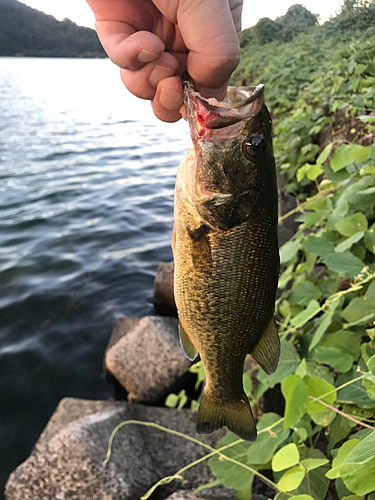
pixel 86 212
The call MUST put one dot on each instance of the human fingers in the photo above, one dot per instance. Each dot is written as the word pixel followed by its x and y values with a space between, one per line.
pixel 126 47
pixel 143 82
pixel 210 34
pixel 168 99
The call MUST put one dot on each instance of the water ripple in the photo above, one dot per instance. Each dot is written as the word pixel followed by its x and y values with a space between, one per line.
pixel 87 212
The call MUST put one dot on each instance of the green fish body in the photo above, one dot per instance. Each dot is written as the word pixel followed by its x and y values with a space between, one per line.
pixel 225 248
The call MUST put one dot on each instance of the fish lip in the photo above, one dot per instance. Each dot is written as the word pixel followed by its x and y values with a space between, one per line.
pixel 209 113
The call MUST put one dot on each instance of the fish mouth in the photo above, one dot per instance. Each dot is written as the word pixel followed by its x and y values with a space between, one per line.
pixel 240 103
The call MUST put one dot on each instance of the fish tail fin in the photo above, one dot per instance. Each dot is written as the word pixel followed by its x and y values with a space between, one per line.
pixel 214 414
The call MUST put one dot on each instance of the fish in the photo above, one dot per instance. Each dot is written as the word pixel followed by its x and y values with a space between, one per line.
pixel 225 249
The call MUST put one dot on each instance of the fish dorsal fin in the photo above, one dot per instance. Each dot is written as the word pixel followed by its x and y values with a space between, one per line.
pixel 187 345
pixel 267 351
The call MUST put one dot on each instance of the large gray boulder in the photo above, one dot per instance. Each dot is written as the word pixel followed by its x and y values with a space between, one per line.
pixel 146 358
pixel 67 461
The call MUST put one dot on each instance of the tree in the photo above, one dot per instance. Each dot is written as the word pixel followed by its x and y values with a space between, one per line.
pixel 266 30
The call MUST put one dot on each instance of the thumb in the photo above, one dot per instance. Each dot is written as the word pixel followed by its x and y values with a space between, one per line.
pixel 209 33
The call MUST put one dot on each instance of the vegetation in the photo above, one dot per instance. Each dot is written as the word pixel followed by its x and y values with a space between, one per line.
pixel 320 87
pixel 27 32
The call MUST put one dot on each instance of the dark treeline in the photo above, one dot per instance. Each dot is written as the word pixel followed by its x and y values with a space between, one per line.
pixel 354 15
pixel 28 32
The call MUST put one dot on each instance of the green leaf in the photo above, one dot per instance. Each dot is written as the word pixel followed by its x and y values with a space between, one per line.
pixel 286 457
pixel 370 241
pixel 319 245
pixel 288 251
pixel 344 340
pixel 344 263
pixel 339 350
pixel 343 452
pixel 315 483
pixel 360 153
pixel 324 154
pixel 340 428
pixel 232 475
pixel 351 225
pixel 353 393
pixel 358 468
pixel 291 479
pixel 198 368
pixel 362 199
pixel 304 316
pixel 294 391
pixel 358 102
pixel 314 218
pixel 171 401
pixel 317 388
pixel 353 497
pixel 371 364
pixel 370 292
pixel 360 311
pixel 262 451
pixel 341 158
pixel 301 497
pixel 303 292
pixel 341 209
pixel 313 463
pixel 360 68
pixel 325 321
pixel 334 357
pixel 323 203
pixel 349 242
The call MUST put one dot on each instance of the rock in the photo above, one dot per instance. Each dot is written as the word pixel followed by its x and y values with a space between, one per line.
pixel 67 461
pixel 146 358
pixel 216 493
pixel 163 290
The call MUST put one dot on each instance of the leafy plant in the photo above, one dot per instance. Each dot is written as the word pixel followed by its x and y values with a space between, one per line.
pixel 321 93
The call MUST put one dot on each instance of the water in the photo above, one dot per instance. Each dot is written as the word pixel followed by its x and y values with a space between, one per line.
pixel 86 212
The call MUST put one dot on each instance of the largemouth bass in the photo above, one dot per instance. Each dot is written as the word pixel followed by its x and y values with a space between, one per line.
pixel 225 245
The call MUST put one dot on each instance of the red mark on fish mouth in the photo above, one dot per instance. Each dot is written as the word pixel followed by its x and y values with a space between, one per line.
pixel 201 126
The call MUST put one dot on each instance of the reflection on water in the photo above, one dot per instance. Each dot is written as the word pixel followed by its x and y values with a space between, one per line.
pixel 86 188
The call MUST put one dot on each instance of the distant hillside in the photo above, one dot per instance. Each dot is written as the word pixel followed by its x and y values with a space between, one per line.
pixel 28 32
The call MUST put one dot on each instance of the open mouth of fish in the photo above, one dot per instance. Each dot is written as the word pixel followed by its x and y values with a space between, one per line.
pixel 206 114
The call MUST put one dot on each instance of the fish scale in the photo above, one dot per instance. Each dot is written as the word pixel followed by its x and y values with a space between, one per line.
pixel 225 250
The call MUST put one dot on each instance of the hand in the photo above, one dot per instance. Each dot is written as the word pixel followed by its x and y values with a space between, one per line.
pixel 155 41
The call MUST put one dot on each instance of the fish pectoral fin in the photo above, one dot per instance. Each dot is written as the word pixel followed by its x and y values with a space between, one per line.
pixel 214 414
pixel 187 345
pixel 267 351
pixel 200 249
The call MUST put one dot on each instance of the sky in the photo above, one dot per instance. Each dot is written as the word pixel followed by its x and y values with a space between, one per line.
pixel 79 12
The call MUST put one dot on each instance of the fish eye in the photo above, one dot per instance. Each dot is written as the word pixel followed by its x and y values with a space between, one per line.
pixel 253 146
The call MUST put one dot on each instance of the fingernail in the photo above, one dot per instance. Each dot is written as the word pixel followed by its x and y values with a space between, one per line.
pixel 170 99
pixel 159 73
pixel 145 56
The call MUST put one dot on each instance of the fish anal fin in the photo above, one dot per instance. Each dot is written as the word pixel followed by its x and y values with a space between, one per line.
pixel 187 345
pixel 214 414
pixel 267 351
